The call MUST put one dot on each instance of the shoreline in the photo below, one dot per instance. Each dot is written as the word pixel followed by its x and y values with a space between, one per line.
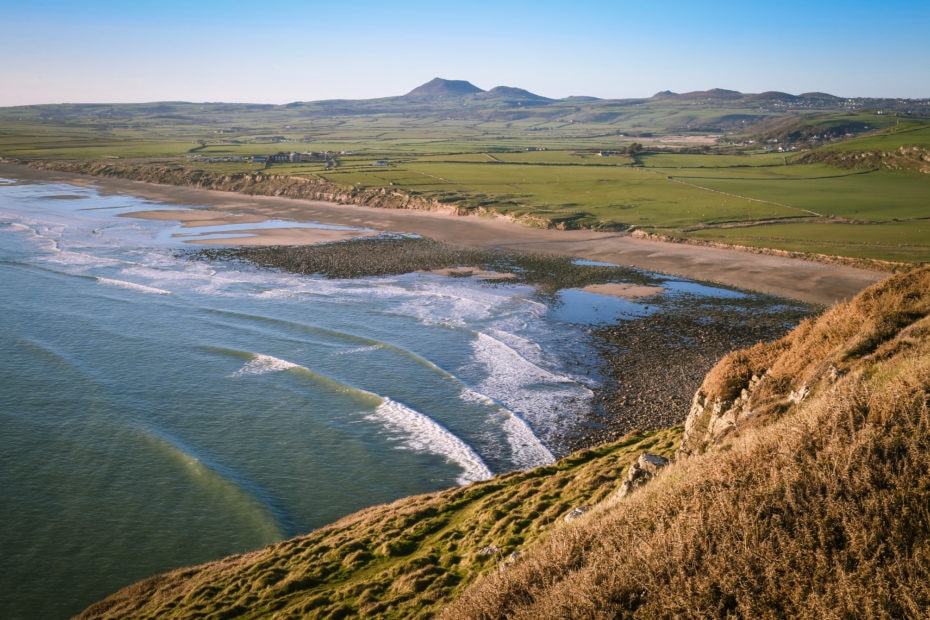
pixel 798 279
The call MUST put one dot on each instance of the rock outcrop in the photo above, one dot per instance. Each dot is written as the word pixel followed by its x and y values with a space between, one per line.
pixel 640 472
pixel 770 380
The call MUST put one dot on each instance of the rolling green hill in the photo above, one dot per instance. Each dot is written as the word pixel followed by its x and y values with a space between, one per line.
pixel 811 173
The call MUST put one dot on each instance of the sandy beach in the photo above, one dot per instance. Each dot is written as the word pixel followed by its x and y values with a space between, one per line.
pixel 789 277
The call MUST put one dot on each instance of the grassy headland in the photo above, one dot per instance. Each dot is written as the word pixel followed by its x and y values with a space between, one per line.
pixel 799 488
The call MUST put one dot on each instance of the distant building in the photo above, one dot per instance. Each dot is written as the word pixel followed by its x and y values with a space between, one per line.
pixel 279 158
pixel 381 163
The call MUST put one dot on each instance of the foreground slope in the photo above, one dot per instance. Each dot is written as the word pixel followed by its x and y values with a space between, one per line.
pixel 404 559
pixel 801 488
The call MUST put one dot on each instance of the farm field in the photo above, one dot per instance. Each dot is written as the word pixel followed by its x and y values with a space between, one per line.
pixel 893 241
pixel 606 166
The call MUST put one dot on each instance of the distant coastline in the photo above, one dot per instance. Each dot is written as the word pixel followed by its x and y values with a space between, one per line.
pixel 787 276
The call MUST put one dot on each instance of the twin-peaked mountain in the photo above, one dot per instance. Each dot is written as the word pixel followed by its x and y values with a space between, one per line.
pixel 439 89
pixel 711 111
pixel 714 110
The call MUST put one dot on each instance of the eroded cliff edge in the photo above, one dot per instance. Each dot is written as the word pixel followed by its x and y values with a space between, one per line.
pixel 257 184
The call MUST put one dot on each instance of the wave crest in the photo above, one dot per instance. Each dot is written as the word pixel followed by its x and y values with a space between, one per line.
pixel 151 290
pixel 262 365
pixel 419 432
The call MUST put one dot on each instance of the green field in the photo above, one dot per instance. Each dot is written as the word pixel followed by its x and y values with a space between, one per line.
pixel 894 241
pixel 567 167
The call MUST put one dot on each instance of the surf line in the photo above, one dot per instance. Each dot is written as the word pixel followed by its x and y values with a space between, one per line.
pixel 415 429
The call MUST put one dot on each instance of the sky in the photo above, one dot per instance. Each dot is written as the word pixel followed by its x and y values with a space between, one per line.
pixel 281 51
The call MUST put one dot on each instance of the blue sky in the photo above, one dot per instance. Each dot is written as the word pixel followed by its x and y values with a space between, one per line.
pixel 281 51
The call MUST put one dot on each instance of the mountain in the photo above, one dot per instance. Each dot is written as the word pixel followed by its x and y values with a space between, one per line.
pixel 714 94
pixel 774 95
pixel 799 487
pixel 711 111
pixel 511 93
pixel 438 88
pixel 823 96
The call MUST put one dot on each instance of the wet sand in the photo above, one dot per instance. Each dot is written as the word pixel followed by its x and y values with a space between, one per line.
pixel 195 218
pixel 789 277
pixel 628 291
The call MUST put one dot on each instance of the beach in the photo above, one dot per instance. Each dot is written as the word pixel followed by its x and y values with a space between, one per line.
pixel 171 384
pixel 803 280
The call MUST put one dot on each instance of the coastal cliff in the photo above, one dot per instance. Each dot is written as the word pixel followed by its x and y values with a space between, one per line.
pixel 256 184
pixel 798 487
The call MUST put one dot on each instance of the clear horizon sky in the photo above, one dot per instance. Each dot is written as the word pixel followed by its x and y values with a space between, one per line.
pixel 57 51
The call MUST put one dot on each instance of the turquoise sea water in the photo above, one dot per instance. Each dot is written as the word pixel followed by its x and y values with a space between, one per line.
pixel 158 412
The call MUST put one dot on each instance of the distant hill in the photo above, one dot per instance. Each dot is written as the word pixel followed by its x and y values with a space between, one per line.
pixel 714 111
pixel 509 92
pixel 774 95
pixel 718 94
pixel 438 88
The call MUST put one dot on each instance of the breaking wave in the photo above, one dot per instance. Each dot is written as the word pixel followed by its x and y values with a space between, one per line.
pixel 420 432
pixel 142 288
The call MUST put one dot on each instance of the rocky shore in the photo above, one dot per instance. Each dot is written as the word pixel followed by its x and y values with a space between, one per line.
pixel 651 366
pixel 656 363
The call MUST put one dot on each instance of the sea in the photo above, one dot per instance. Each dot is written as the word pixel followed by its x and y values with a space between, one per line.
pixel 159 411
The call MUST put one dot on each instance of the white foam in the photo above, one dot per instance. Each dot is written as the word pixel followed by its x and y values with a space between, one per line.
pixel 262 365
pixel 523 387
pixel 133 286
pixel 41 235
pixel 78 259
pixel 527 451
pixel 18 227
pixel 419 432
pixel 509 361
pixel 471 396
pixel 162 272
pixel 527 348
pixel 439 301
pixel 365 349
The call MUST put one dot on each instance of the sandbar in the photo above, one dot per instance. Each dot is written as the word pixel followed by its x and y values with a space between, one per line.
pixel 472 272
pixel 629 291
pixel 794 278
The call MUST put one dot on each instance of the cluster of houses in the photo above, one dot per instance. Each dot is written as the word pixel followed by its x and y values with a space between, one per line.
pixel 278 158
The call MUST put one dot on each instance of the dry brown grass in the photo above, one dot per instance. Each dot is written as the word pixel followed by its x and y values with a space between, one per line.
pixel 823 512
